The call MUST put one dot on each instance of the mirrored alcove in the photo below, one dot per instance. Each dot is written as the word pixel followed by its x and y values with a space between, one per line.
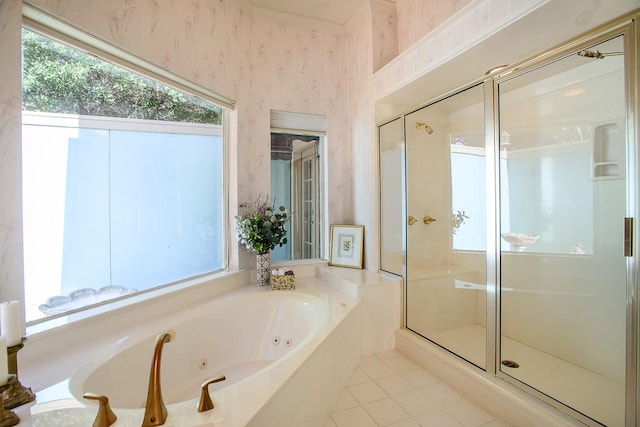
pixel 297 144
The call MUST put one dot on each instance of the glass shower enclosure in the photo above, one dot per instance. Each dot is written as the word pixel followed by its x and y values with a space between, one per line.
pixel 446 237
pixel 519 194
pixel 562 210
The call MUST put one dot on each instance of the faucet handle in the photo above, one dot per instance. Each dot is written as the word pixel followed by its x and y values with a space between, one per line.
pixel 105 416
pixel 205 403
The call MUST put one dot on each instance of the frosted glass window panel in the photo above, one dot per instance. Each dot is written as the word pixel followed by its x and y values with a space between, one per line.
pixel 135 209
pixel 166 207
pixel 469 198
pixel 66 244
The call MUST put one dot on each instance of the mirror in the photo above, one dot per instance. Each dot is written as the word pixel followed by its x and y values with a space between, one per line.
pixel 392 197
pixel 296 184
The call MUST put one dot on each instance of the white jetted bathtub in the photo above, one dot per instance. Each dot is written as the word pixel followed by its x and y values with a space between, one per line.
pixel 285 354
pixel 235 336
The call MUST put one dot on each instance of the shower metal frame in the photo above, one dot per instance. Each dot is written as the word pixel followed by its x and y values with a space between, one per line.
pixel 627 26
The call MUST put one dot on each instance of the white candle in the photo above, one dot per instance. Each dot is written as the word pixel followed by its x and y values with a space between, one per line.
pixel 11 322
pixel 4 362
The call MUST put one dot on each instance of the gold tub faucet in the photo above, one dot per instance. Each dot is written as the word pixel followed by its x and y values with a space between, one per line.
pixel 105 416
pixel 155 413
pixel 205 402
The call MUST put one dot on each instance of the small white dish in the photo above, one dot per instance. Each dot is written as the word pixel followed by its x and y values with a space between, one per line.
pixel 519 241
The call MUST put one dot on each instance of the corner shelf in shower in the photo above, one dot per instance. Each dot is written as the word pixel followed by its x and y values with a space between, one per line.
pixel 608 151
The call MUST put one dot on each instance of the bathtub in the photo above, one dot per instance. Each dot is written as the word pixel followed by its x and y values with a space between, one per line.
pixel 235 336
pixel 270 345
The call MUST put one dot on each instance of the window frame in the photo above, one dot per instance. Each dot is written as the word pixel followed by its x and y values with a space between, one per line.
pixel 33 19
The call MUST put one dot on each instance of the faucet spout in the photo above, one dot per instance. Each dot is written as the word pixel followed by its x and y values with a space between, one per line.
pixel 155 413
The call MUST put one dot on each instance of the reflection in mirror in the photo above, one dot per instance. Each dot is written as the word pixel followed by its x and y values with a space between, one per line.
pixel 295 183
pixel 392 200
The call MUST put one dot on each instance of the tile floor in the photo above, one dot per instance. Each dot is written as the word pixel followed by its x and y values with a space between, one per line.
pixel 387 389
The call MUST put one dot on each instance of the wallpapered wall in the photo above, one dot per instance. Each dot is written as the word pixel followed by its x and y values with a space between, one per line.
pixel 210 42
pixel 301 70
pixel 11 275
pixel 418 18
pixel 263 65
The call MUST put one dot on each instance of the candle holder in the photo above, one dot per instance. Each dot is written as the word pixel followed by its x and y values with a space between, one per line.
pixel 16 394
pixel 8 418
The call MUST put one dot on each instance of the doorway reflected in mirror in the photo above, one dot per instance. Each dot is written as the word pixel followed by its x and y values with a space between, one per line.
pixel 296 183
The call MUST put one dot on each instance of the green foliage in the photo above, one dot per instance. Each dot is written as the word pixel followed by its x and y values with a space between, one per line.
pixel 261 227
pixel 61 79
pixel 457 219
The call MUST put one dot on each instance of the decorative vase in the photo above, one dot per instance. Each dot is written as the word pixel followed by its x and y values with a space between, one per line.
pixel 263 269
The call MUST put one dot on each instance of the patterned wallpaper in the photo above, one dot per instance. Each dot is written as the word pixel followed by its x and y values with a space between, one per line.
pixel 11 275
pixel 263 65
pixel 417 18
pixel 300 70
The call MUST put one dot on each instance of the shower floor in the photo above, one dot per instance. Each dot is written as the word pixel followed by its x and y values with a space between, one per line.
pixel 586 391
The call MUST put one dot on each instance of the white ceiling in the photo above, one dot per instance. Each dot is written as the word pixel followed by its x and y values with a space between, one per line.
pixel 332 11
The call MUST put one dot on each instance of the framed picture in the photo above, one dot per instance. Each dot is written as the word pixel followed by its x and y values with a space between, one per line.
pixel 346 245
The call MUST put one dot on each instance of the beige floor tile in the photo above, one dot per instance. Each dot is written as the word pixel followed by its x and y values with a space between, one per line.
pixel 345 401
pixel 394 384
pixel 377 369
pixel 354 417
pixel 387 389
pixel 441 394
pixel 415 402
pixel 437 418
pixel 367 392
pixel 406 423
pixel 419 377
pixel 358 377
pixel 330 423
pixel 497 423
pixel 469 414
pixel 386 411
pixel 366 359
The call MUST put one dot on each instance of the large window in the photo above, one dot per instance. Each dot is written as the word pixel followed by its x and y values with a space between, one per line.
pixel 122 181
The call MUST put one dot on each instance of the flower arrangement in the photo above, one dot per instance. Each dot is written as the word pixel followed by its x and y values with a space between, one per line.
pixel 260 228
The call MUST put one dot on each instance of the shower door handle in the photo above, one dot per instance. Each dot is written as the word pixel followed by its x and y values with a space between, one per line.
pixel 628 237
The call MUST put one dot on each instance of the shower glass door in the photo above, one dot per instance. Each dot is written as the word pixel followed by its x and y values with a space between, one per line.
pixel 446 224
pixel 562 187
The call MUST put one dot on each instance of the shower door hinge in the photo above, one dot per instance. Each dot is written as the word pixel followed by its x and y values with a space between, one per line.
pixel 628 237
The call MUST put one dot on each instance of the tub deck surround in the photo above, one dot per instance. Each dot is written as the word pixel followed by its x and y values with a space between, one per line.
pixel 381 295
pixel 331 326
